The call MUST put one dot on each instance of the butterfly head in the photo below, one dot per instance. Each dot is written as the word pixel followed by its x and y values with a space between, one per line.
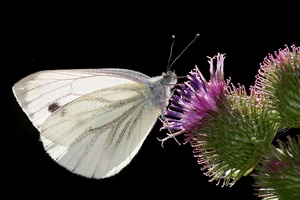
pixel 169 78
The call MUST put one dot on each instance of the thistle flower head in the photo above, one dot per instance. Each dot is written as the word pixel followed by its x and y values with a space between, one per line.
pixel 228 129
pixel 278 174
pixel 278 80
pixel 195 98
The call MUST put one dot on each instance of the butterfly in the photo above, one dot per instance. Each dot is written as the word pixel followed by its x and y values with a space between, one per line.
pixel 94 121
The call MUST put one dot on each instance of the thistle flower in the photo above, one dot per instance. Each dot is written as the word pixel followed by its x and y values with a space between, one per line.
pixel 195 99
pixel 228 130
pixel 278 175
pixel 279 81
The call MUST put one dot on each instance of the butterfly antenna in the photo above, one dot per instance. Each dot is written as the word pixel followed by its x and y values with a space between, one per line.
pixel 171 52
pixel 196 36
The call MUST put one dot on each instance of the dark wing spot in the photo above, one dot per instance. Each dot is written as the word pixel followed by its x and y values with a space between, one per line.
pixel 53 107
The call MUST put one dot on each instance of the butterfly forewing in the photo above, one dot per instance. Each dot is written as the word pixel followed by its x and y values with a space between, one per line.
pixel 39 94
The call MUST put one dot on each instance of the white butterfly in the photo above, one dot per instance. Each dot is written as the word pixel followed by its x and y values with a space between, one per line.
pixel 93 121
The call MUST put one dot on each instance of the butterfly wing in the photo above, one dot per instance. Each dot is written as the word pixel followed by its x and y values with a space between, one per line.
pixel 41 93
pixel 92 122
pixel 98 134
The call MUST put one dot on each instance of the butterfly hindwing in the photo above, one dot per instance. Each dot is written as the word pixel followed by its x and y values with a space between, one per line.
pixel 88 132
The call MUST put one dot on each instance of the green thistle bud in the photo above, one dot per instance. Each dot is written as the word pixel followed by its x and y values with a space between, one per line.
pixel 279 81
pixel 233 139
pixel 278 175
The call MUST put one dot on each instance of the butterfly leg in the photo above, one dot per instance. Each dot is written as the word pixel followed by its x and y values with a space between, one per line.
pixel 171 135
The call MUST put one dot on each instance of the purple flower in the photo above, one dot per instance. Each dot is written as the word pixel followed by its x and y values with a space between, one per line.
pixel 227 129
pixel 195 99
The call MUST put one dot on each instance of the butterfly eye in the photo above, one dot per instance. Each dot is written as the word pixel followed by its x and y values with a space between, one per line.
pixel 167 78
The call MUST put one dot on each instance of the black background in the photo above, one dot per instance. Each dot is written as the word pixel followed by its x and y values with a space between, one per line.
pixel 135 37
